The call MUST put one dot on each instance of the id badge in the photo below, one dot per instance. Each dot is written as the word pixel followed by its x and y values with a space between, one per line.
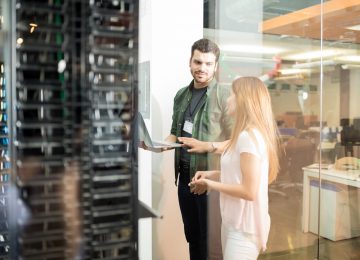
pixel 188 126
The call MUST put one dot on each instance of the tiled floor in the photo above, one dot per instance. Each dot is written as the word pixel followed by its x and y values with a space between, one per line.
pixel 287 241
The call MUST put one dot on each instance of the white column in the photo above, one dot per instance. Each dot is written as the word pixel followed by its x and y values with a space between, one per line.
pixel 168 28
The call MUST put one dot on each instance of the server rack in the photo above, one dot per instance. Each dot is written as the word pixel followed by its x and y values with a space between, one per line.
pixel 73 101
pixel 111 78
pixel 41 123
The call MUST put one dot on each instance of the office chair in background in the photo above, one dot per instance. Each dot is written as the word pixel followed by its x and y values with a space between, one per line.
pixel 298 151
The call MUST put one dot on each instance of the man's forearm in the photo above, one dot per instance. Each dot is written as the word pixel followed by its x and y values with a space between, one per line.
pixel 171 138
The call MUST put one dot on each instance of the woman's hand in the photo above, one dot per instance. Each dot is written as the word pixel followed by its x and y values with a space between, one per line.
pixel 199 175
pixel 199 183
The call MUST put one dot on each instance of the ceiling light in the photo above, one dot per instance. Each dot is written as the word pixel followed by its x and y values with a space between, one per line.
pixel 247 59
pixel 251 49
pixel 350 66
pixel 313 55
pixel 349 58
pixel 297 76
pixel 284 36
pixel 313 64
pixel 293 71
pixel 354 27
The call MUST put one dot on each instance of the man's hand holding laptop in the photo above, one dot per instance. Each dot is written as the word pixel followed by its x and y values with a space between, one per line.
pixel 171 139
pixel 147 143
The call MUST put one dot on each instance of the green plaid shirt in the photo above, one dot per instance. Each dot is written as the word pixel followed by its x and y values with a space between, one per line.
pixel 210 124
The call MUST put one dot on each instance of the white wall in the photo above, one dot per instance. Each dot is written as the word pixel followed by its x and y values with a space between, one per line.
pixel 167 30
pixel 144 189
pixel 173 32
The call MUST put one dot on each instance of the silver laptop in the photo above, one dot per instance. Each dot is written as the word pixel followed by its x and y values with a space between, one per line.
pixel 145 137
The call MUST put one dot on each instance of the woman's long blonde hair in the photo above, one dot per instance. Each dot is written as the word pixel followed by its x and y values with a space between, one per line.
pixel 253 110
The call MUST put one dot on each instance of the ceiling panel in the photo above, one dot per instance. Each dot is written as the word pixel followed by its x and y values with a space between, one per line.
pixel 306 23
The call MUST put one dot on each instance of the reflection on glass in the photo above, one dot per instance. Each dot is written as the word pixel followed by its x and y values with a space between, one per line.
pixel 339 206
pixel 315 99
pixel 282 29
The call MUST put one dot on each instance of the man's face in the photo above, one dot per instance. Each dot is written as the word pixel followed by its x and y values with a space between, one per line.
pixel 202 67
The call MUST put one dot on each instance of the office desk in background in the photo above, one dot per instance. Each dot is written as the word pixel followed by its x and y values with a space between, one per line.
pixel 340 202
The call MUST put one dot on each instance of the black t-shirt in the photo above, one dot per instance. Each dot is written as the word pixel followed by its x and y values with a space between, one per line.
pixel 190 112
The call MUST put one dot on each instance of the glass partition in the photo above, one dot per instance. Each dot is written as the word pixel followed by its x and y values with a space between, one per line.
pixel 307 53
pixel 280 42
pixel 339 201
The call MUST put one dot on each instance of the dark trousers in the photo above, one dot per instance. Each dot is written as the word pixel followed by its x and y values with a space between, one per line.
pixel 194 214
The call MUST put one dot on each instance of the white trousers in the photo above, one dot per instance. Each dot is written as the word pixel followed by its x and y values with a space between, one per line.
pixel 238 245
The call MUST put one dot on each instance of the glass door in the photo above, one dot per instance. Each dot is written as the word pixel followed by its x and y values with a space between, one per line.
pixel 338 210
pixel 280 42
pixel 308 54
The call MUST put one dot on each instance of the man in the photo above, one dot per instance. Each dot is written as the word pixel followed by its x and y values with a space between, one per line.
pixel 199 112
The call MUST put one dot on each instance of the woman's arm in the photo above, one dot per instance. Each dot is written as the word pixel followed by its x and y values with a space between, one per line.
pixel 248 189
pixel 197 146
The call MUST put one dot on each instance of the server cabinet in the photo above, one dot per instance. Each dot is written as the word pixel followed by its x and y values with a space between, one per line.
pixel 111 61
pixel 68 186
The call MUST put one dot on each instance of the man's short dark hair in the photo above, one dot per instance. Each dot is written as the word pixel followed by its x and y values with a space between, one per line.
pixel 205 46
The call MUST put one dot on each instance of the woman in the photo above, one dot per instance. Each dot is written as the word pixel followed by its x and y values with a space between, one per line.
pixel 248 164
